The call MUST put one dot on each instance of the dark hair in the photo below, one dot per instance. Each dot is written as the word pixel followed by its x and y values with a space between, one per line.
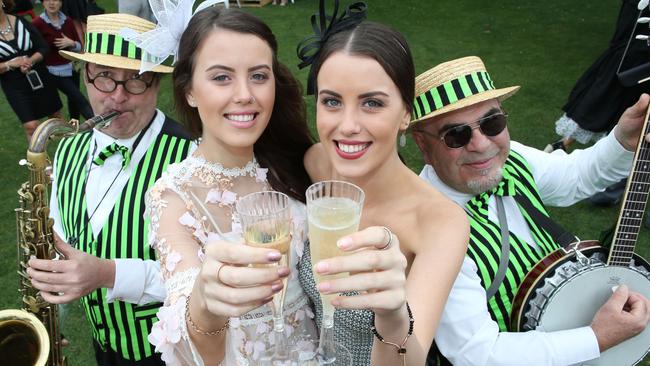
pixel 9 5
pixel 381 43
pixel 285 140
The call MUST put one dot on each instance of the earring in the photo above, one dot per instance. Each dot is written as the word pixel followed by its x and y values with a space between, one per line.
pixel 402 139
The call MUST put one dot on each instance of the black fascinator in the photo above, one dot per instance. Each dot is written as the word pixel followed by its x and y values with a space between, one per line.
pixel 325 26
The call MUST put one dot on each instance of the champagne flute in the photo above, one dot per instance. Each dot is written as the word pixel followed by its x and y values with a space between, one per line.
pixel 266 223
pixel 333 211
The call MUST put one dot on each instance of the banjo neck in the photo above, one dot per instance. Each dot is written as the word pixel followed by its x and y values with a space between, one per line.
pixel 636 194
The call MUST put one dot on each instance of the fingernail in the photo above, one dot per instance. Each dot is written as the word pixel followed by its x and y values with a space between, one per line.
pixel 322 267
pixel 614 288
pixel 276 287
pixel 32 257
pixel 283 271
pixel 274 256
pixel 344 243
pixel 336 302
pixel 324 287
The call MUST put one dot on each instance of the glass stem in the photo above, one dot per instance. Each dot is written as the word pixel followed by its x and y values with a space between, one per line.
pixel 281 346
pixel 326 346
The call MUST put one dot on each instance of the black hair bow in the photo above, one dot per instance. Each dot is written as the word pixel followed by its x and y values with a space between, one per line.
pixel 325 26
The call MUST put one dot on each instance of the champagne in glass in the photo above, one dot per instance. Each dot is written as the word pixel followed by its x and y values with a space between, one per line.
pixel 333 211
pixel 266 222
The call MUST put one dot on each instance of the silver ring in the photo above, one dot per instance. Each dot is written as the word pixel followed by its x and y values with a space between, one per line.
pixel 219 273
pixel 390 238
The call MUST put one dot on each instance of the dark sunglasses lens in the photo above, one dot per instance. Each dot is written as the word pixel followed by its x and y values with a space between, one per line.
pixel 494 125
pixel 458 136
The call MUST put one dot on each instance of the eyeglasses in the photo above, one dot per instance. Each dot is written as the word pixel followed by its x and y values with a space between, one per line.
pixel 107 84
pixel 459 136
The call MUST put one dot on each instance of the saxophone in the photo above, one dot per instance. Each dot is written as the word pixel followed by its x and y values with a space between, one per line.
pixel 31 336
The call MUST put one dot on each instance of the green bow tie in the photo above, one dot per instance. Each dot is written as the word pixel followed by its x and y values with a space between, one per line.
pixel 111 149
pixel 506 187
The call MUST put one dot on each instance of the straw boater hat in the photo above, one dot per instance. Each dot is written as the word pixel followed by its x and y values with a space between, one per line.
pixel 454 85
pixel 104 45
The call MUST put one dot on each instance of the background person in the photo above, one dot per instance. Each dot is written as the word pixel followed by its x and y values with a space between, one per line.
pixel 59 33
pixel 22 49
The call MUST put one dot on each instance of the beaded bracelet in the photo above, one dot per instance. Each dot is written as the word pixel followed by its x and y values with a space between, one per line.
pixel 196 328
pixel 401 350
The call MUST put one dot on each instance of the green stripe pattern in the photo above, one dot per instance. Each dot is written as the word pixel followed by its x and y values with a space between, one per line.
pixel 111 44
pixel 485 238
pixel 123 327
pixel 451 92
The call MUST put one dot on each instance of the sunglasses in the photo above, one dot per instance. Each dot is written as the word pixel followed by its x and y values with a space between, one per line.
pixel 458 136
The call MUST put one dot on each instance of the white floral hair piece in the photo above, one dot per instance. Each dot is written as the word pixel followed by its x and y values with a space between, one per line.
pixel 643 4
pixel 162 42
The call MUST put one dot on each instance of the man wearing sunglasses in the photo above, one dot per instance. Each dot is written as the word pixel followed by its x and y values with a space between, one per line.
pixel 97 200
pixel 461 129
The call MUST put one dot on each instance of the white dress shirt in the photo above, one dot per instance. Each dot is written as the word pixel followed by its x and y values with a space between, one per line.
pixel 136 281
pixel 467 335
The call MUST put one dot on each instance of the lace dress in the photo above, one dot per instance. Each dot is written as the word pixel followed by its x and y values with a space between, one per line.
pixel 180 229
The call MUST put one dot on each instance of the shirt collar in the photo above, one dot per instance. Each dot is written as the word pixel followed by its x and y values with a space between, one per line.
pixel 47 19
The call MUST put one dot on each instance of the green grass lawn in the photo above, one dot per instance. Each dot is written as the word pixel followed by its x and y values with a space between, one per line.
pixel 544 46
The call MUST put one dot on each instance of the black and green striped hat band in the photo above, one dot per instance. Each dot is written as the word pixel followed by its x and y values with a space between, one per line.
pixel 111 44
pixel 450 92
pixel 454 85
pixel 105 45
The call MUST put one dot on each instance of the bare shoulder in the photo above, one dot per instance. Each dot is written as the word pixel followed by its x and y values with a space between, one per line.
pixel 441 220
pixel 316 163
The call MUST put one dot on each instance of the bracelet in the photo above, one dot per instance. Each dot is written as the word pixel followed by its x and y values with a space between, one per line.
pixel 401 350
pixel 196 328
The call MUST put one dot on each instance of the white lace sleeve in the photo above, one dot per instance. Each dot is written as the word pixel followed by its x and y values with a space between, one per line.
pixel 171 233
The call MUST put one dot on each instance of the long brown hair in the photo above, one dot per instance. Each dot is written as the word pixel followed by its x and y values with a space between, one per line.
pixel 285 140
pixel 8 5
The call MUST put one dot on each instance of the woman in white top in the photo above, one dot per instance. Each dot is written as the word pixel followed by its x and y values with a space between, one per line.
pixel 230 89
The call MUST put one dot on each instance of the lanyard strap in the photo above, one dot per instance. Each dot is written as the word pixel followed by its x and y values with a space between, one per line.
pixel 505 249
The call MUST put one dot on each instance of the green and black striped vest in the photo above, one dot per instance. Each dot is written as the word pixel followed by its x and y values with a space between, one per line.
pixel 123 327
pixel 485 238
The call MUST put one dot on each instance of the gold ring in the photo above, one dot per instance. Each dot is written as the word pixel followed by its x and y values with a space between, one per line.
pixel 390 238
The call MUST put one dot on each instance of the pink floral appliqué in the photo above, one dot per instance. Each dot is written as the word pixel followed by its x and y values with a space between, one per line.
pixel 173 258
pixel 254 349
pixel 167 331
pixel 188 220
pixel 225 197
pixel 260 174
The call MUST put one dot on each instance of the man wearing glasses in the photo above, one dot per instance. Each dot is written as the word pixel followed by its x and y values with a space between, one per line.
pixel 98 192
pixel 461 129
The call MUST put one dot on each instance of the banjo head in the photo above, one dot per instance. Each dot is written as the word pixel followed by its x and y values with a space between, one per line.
pixel 571 297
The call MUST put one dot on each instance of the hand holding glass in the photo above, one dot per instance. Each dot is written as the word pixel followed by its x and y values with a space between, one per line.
pixel 266 223
pixel 333 211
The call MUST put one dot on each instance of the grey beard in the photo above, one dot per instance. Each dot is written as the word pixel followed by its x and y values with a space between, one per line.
pixel 486 183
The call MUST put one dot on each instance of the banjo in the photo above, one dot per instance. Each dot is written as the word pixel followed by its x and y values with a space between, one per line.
pixel 566 289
